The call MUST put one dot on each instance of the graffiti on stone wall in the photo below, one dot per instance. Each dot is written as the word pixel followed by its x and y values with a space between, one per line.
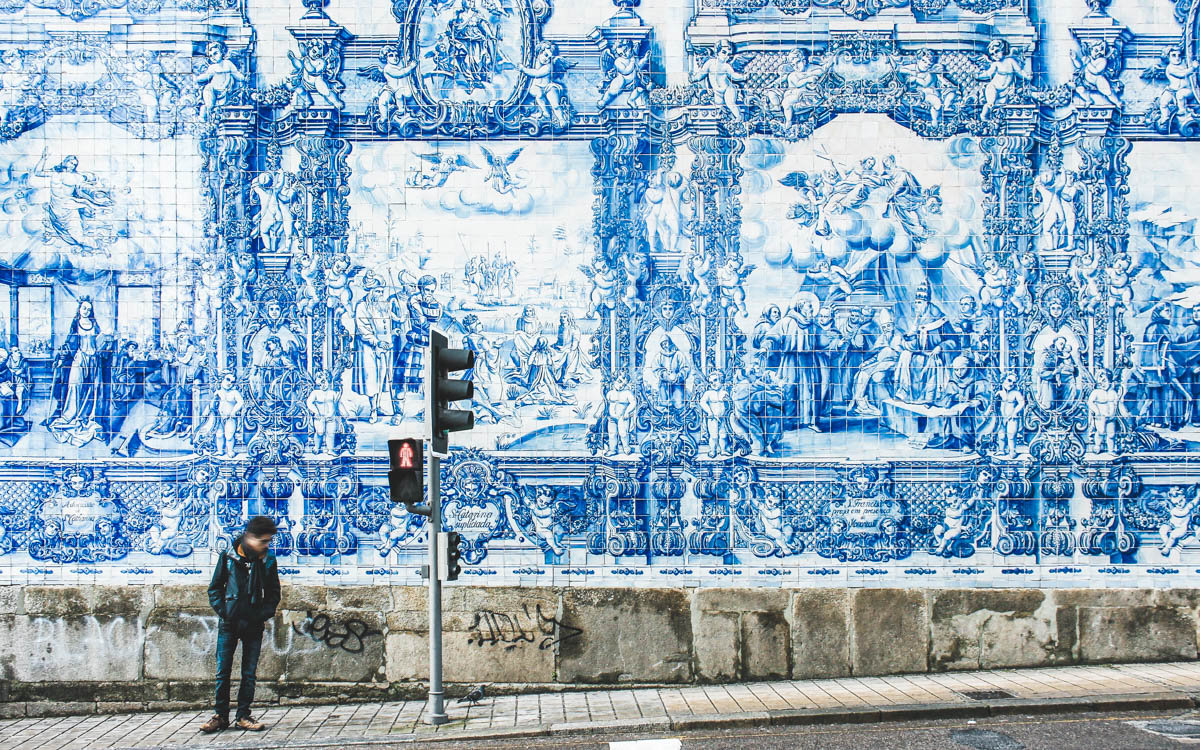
pixel 348 634
pixel 514 629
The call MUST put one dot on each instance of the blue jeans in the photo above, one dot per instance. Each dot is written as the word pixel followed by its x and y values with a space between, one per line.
pixel 227 642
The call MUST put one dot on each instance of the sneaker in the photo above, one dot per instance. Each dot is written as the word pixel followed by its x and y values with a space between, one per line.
pixel 215 724
pixel 249 724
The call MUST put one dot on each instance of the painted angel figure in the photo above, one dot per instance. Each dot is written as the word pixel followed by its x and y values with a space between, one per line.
pixel 546 88
pixel 499 177
pixel 396 76
pixel 624 73
pixel 314 74
pixel 444 165
pixel 1096 70
pixel 1178 100
pixel 730 278
pixel 719 75
pixel 798 83
pixel 73 197
pixel 1002 76
pixel 218 79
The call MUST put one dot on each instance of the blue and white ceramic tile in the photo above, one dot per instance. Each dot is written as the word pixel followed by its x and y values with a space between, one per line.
pixel 762 292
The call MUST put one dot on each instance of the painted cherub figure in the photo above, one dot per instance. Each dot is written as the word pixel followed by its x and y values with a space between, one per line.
pixel 316 73
pixel 729 278
pixel 954 523
pixel 799 84
pixel 625 75
pixel 604 283
pixel 171 514
pixel 721 78
pixel 995 284
pixel 1120 287
pixel 338 294
pixel 770 510
pixel 1092 83
pixel 227 406
pixel 695 265
pixel 396 75
pixel 1102 407
pixel 1012 406
pixel 547 92
pixel 395 528
pixel 714 404
pixel 218 79
pixel 824 271
pixel 544 512
pixel 1178 527
pixel 1002 76
pixel 621 405
pixel 924 76
pixel 1179 98
pixel 322 405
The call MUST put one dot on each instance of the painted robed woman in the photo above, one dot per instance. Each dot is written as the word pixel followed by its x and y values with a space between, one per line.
pixel 78 378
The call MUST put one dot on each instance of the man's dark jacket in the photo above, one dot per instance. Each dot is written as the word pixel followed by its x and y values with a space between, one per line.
pixel 244 591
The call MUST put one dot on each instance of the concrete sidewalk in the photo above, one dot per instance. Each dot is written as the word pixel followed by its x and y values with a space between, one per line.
pixel 944 695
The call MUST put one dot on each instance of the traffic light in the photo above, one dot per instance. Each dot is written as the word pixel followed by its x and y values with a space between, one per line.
pixel 406 478
pixel 443 391
pixel 448 565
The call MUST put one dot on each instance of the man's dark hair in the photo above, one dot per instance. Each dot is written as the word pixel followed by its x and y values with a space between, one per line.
pixel 261 526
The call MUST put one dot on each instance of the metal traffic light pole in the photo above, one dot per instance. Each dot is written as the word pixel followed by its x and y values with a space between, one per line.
pixel 404 481
pixel 437 692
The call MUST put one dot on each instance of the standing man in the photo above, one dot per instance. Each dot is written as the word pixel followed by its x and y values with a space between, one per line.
pixel 244 592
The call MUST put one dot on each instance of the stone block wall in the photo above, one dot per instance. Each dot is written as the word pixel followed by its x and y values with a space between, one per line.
pixel 109 648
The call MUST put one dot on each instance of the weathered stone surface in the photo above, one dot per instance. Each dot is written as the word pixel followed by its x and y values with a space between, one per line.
pixel 820 633
pixel 972 629
pixel 626 635
pixel 766 652
pixel 181 645
pixel 129 601
pixel 1146 633
pixel 526 651
pixel 891 631
pixel 407 657
pixel 56 600
pixel 10 600
pixel 410 598
pixel 1107 597
pixel 37 648
pixel 367 598
pixel 174 596
pixel 740 600
pixel 303 598
pixel 717 645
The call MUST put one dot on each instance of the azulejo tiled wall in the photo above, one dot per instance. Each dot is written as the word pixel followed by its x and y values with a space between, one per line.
pixel 774 292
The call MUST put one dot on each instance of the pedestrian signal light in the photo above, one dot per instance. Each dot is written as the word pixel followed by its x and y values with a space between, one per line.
pixel 406 478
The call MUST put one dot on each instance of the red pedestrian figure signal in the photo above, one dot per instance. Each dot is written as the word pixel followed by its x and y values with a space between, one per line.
pixel 406 478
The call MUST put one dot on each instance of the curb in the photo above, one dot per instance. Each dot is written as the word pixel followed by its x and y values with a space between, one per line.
pixel 779 718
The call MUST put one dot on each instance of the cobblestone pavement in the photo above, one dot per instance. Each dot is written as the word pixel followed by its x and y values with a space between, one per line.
pixel 1109 687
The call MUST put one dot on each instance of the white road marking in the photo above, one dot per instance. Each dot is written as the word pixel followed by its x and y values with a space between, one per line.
pixel 646 745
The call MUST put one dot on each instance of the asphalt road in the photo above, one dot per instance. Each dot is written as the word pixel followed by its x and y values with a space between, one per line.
pixel 1068 732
